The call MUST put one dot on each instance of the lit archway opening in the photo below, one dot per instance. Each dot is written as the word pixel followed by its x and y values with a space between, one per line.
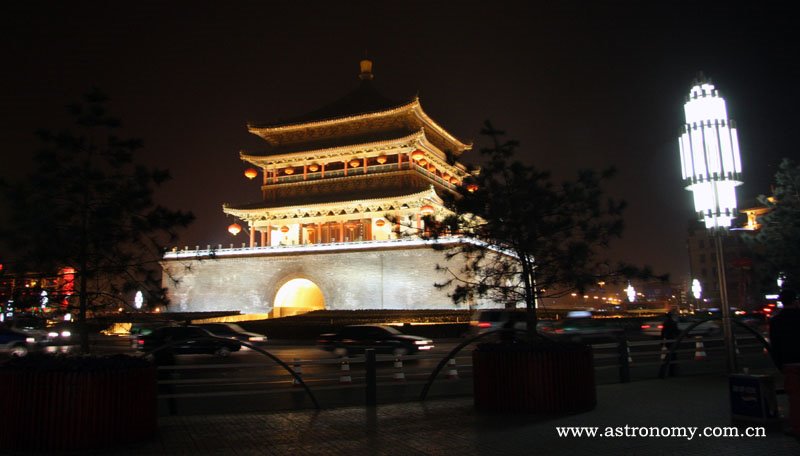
pixel 298 296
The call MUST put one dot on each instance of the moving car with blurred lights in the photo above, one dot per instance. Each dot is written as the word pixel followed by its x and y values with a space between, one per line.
pixel 579 326
pixel 15 342
pixel 384 339
pixel 707 328
pixel 486 320
pixel 187 340
pixel 234 331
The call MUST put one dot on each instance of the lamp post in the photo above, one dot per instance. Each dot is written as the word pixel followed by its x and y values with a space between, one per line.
pixel 711 168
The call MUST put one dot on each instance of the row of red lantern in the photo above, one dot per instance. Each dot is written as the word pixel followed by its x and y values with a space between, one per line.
pixel 235 228
pixel 252 173
pixel 417 155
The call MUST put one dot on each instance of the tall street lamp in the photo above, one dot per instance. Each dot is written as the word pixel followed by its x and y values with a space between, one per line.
pixel 711 168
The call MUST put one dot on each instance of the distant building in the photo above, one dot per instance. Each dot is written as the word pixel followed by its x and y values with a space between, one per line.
pixel 740 263
pixel 343 191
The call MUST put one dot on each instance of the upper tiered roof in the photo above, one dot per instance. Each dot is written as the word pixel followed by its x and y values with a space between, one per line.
pixel 362 115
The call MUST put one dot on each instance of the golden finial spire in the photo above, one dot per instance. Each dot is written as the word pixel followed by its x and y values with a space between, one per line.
pixel 366 70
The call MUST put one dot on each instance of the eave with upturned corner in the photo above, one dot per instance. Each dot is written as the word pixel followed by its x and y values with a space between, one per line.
pixel 410 116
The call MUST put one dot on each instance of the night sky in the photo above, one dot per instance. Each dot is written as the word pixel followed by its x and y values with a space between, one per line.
pixel 579 85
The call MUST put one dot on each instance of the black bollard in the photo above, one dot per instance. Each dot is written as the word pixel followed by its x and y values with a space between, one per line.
pixel 371 388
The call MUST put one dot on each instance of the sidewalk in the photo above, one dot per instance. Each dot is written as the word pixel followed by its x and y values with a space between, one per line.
pixel 451 426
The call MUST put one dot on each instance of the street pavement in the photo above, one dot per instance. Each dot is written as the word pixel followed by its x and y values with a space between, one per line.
pixel 451 426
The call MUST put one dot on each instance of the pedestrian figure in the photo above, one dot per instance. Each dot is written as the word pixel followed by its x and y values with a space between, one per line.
pixel 669 331
pixel 784 331
pixel 784 337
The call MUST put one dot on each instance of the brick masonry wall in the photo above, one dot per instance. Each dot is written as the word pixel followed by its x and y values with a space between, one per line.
pixel 371 279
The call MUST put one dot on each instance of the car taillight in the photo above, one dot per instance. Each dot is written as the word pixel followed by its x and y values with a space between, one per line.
pixel 559 331
pixel 140 341
pixel 646 326
pixel 484 324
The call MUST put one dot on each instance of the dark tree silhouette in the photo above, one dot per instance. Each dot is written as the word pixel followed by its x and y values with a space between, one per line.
pixel 89 206
pixel 778 241
pixel 527 237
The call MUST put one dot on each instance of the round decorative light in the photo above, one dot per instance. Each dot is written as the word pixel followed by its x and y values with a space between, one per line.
pixel 431 168
pixel 313 167
pixel 250 173
pixel 471 188
pixel 234 228
pixel 380 222
pixel 284 229
pixel 453 180
pixel 288 171
pixel 422 162
pixel 354 163
pixel 417 155
pixel 426 209
pixel 381 159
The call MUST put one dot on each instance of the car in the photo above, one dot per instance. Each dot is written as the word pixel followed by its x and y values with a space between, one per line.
pixel 584 328
pixel 187 340
pixel 62 334
pixel 14 342
pixel 142 329
pixel 485 320
pixel 234 331
pixel 384 339
pixel 707 328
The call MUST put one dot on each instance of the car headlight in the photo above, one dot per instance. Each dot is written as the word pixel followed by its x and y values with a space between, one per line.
pixel 66 334
pixel 30 340
pixel 256 339
pixel 52 334
pixel 422 342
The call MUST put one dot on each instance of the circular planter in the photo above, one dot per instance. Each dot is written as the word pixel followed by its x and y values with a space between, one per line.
pixel 546 377
pixel 76 403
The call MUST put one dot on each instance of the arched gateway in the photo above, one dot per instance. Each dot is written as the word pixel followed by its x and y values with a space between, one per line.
pixel 297 296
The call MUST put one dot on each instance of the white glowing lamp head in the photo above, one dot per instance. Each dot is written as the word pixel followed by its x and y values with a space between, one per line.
pixel 697 290
pixel 138 300
pixel 631 292
pixel 711 165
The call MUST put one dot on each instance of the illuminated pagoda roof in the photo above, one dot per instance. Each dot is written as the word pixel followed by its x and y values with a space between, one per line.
pixel 378 203
pixel 363 115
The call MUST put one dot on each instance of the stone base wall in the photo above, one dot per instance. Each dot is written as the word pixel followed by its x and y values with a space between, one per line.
pixel 349 280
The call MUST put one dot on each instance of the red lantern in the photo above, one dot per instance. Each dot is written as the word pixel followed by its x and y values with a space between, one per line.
pixel 426 209
pixel 380 222
pixel 284 229
pixel 417 155
pixel 250 173
pixel 313 167
pixel 381 159
pixel 288 171
pixel 354 163
pixel 471 188
pixel 234 228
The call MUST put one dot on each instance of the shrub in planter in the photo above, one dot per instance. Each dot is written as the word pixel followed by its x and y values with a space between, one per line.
pixel 541 377
pixel 76 402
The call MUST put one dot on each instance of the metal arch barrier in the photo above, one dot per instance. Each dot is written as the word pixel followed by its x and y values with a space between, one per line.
pixel 662 371
pixel 294 374
pixel 513 332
